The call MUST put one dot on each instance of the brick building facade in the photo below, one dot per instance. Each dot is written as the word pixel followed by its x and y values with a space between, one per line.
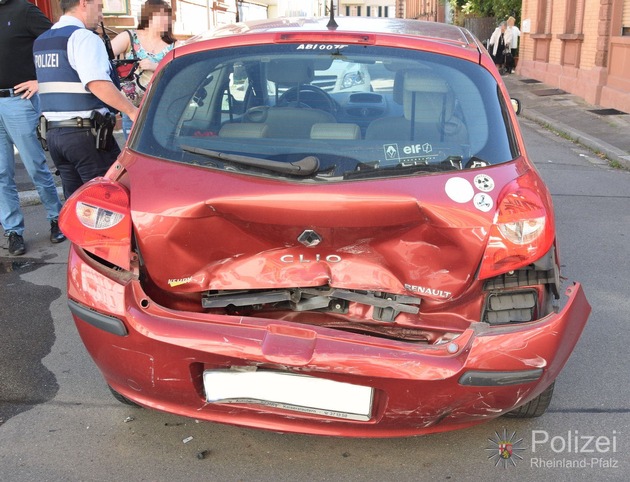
pixel 580 46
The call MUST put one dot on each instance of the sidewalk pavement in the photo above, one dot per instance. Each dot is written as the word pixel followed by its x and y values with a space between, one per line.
pixel 601 130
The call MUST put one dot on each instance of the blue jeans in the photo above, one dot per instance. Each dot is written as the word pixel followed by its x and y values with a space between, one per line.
pixel 126 125
pixel 18 123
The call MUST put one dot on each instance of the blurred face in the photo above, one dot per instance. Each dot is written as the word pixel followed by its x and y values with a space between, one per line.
pixel 93 13
pixel 160 21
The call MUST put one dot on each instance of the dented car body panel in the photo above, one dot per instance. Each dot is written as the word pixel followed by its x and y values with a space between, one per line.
pixel 378 260
pixel 377 227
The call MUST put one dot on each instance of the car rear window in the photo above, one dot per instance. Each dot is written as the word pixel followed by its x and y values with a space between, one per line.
pixel 325 112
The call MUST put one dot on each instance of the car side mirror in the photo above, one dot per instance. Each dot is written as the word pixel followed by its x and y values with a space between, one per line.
pixel 516 105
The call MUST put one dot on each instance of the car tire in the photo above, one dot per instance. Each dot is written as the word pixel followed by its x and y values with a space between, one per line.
pixel 123 399
pixel 534 408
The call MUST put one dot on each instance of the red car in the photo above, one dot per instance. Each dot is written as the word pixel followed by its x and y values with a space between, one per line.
pixel 377 259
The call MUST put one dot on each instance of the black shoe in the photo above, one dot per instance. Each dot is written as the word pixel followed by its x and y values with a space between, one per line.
pixel 16 244
pixel 56 236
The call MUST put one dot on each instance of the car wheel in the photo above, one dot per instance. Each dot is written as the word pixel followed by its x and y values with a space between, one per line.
pixel 123 399
pixel 534 408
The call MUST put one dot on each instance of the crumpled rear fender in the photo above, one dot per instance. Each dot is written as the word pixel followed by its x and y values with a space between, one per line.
pixel 544 344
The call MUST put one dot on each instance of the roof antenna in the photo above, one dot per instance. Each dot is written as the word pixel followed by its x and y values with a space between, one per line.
pixel 332 25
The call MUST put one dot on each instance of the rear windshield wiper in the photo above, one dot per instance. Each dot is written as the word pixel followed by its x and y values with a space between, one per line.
pixel 304 167
pixel 402 169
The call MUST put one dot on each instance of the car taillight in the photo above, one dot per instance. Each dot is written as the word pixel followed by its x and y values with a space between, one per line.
pixel 97 217
pixel 523 229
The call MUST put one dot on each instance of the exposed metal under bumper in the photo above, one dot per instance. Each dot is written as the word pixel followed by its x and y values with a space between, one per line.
pixel 386 305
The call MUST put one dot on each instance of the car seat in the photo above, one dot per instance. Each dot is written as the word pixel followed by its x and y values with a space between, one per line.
pixel 428 111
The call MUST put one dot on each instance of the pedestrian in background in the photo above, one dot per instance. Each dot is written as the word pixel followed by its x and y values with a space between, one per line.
pixel 514 33
pixel 79 94
pixel 149 43
pixel 21 23
pixel 499 46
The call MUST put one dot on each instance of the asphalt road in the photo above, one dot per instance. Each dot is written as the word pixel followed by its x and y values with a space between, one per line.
pixel 59 422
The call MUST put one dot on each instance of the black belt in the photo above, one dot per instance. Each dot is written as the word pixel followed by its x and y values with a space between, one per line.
pixel 76 122
pixel 7 93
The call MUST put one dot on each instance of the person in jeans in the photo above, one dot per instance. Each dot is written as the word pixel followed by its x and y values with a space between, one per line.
pixel 19 114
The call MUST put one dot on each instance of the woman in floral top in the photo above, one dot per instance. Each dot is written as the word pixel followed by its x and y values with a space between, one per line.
pixel 149 43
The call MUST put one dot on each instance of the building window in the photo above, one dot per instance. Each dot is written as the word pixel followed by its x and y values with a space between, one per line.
pixel 574 18
pixel 369 11
pixel 544 16
pixel 570 17
pixel 347 11
pixel 358 10
pixel 625 19
pixel 115 7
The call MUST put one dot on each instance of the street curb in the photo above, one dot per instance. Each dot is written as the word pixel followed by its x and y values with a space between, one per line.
pixel 611 152
pixel 31 198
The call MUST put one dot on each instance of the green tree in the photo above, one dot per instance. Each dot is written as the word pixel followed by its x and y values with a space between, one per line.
pixel 501 9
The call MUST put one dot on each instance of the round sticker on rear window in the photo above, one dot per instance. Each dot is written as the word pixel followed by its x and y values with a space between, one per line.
pixel 459 190
pixel 484 182
pixel 483 202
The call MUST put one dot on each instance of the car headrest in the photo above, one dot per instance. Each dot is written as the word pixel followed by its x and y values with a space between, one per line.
pixel 434 100
pixel 416 81
pixel 334 131
pixel 246 130
pixel 290 72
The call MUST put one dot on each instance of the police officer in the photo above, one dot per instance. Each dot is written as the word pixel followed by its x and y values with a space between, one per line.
pixel 78 90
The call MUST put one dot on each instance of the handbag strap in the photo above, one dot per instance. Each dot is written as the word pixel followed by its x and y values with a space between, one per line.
pixel 135 57
pixel 133 50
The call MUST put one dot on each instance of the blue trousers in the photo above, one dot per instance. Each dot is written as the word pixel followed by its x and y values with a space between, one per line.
pixel 73 150
pixel 18 123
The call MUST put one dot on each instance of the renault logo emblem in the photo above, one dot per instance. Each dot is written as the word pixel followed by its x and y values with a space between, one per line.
pixel 309 238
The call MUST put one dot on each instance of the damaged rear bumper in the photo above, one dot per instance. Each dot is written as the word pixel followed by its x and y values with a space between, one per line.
pixel 159 358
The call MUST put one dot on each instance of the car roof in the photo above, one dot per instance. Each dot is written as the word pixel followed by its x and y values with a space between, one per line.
pixel 435 31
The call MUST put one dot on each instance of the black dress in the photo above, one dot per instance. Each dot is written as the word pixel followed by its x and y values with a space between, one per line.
pixel 499 58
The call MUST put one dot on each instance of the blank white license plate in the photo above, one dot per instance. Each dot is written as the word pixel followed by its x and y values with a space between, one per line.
pixel 289 391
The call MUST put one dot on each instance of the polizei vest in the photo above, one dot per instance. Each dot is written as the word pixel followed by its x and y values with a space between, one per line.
pixel 60 88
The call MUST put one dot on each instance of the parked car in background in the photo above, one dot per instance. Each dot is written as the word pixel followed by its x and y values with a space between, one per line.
pixel 343 76
pixel 377 260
